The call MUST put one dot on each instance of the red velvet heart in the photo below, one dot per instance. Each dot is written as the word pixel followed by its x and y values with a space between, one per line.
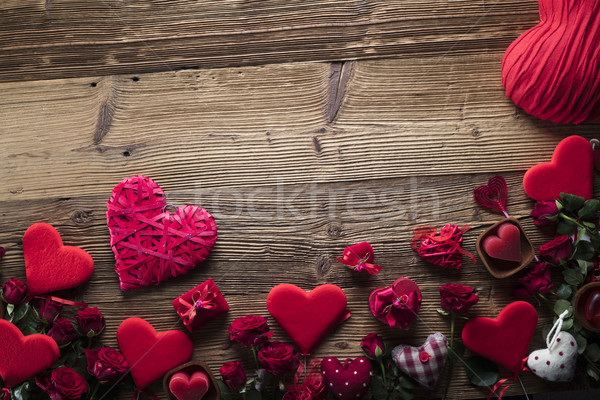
pixel 22 357
pixel 350 381
pixel 149 244
pixel 51 266
pixel 505 245
pixel 570 171
pixel 505 339
pixel 185 387
pixel 149 353
pixel 307 317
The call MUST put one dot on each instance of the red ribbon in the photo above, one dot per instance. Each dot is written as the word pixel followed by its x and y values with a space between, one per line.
pixel 63 301
pixel 189 310
pixel 5 393
pixel 503 381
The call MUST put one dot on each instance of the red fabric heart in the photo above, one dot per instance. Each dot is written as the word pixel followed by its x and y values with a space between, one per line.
pixel 425 363
pixel 149 244
pixel 492 195
pixel 149 353
pixel 350 381
pixel 505 339
pixel 396 305
pixel 570 171
pixel 51 266
pixel 307 317
pixel 22 357
pixel 359 257
pixel 185 387
pixel 505 244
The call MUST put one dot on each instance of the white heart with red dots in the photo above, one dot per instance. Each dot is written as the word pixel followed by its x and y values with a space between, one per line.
pixel 557 363
pixel 350 381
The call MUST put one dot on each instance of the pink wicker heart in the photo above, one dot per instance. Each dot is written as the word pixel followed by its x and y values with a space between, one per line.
pixel 149 244
pixel 424 364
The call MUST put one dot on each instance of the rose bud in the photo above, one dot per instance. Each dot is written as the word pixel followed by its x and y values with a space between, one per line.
pixel 13 291
pixel 64 384
pixel 278 358
pixel 457 298
pixel 558 249
pixel 233 375
pixel 106 364
pixel 62 331
pixel 373 346
pixel 545 213
pixel 251 330
pixel 49 310
pixel 90 322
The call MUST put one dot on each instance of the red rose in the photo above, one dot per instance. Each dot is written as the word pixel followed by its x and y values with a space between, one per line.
pixel 106 364
pixel 251 330
pixel 13 291
pixel 544 213
pixel 62 331
pixel 457 298
pixel 233 375
pixel 90 322
pixel 278 358
pixel 373 346
pixel 64 384
pixel 49 310
pixel 536 280
pixel 558 249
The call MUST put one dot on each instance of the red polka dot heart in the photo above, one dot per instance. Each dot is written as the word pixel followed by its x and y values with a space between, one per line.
pixel 348 381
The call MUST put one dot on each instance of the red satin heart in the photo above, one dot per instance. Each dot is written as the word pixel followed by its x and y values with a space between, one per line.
pixel 505 245
pixel 22 357
pixel 307 317
pixel 492 195
pixel 348 381
pixel 185 387
pixel 504 340
pixel 570 171
pixel 359 257
pixel 51 266
pixel 149 353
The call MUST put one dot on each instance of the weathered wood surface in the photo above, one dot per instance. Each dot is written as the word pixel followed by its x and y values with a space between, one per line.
pixel 295 159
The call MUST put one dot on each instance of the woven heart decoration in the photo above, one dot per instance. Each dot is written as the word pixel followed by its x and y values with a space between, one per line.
pixel 492 195
pixel 443 248
pixel 425 363
pixel 348 381
pixel 149 243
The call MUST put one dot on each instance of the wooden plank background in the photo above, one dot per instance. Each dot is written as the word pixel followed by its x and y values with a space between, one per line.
pixel 303 126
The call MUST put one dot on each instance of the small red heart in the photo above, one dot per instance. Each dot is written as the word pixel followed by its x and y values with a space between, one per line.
pixel 307 317
pixel 505 339
pixel 348 381
pixel 505 245
pixel 51 266
pixel 22 357
pixel 149 353
pixel 185 387
pixel 570 171
pixel 492 195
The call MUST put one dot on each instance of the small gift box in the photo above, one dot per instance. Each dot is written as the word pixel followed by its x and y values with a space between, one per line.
pixel 200 305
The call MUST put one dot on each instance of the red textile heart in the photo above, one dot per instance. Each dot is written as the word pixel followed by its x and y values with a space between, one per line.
pixel 359 257
pixel 185 387
pixel 22 357
pixel 149 244
pixel 492 195
pixel 396 305
pixel 307 317
pixel 149 353
pixel 425 363
pixel 570 171
pixel 505 245
pixel 350 381
pixel 505 339
pixel 51 266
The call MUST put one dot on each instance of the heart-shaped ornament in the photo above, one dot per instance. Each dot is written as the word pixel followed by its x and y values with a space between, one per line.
pixel 149 243
pixel 570 171
pixel 505 244
pixel 396 305
pixel 307 317
pixel 186 387
pixel 348 381
pixel 424 363
pixel 151 354
pixel 504 339
pixel 557 362
pixel 492 195
pixel 22 357
pixel 51 266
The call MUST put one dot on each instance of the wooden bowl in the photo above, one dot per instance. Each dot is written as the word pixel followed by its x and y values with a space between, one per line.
pixel 501 268
pixel 579 301
pixel 190 367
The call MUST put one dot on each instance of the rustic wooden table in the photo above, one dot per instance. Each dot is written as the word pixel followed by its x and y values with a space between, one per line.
pixel 304 126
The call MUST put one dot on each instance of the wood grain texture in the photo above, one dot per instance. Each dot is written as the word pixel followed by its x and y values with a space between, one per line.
pixel 42 39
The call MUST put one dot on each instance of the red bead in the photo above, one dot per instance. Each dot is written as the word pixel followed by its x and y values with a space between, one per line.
pixel 547 362
pixel 423 356
pixel 558 339
pixel 537 358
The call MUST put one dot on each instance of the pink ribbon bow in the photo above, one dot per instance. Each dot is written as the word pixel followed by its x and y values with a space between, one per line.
pixel 204 300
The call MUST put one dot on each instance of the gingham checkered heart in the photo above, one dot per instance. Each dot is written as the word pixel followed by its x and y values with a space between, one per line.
pixel 424 364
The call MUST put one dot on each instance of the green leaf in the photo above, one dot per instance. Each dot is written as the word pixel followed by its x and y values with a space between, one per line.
pixel 581 343
pixel 481 372
pixel 253 394
pixel 595 239
pixel 407 382
pixel 571 202
pixel 591 371
pixel 567 324
pixel 584 266
pixel 378 390
pixel 225 392
pixel 565 227
pixel 583 251
pixel 20 313
pixel 593 352
pixel 10 308
pixel 573 276
pixel 589 209
pixel 590 225
pixel 442 312
pixel 576 326
pixel 404 394
pixel 561 305
pixel 564 291
pixel 559 205
pixel 457 351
